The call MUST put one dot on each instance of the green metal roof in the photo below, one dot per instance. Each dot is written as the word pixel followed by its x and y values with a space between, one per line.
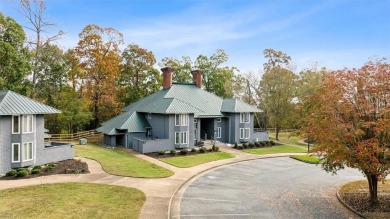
pixel 236 106
pixel 12 103
pixel 129 121
pixel 179 98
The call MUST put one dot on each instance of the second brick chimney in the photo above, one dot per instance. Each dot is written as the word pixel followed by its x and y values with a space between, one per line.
pixel 197 77
pixel 167 77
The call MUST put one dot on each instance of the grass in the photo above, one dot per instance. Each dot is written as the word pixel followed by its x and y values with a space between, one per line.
pixel 276 150
pixel 286 137
pixel 362 186
pixel 118 162
pixel 71 200
pixel 307 159
pixel 360 190
pixel 194 160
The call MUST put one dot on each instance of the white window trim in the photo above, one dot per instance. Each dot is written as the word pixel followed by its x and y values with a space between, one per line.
pixel 177 121
pixel 249 133
pixel 181 119
pixel 15 161
pixel 242 117
pixel 219 119
pixel 32 151
pixel 25 123
pixel 242 132
pixel 13 125
pixel 219 132
pixel 195 133
pixel 183 137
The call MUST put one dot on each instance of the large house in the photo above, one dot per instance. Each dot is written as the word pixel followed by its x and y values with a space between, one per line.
pixel 22 134
pixel 179 116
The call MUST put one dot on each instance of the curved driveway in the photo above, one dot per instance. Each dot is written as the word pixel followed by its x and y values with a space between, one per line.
pixel 266 188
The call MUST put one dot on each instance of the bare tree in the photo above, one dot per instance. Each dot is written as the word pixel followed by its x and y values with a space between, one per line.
pixel 34 11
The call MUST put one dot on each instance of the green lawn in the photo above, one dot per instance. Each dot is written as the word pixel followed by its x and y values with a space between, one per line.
pixel 307 158
pixel 286 137
pixel 118 162
pixel 276 150
pixel 194 160
pixel 71 200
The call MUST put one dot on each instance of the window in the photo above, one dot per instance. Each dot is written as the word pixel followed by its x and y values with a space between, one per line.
pixel 218 132
pixel 181 137
pixel 181 119
pixel 244 117
pixel 27 123
pixel 194 134
pixel 177 137
pixel 184 138
pixel 15 125
pixel 241 133
pixel 149 115
pixel 245 133
pixel 27 151
pixel 218 119
pixel 15 152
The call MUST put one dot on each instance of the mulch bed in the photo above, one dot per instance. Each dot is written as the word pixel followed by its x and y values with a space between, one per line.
pixel 70 166
pixel 157 156
pixel 360 202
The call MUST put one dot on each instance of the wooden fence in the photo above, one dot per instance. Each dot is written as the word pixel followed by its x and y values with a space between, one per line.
pixel 91 136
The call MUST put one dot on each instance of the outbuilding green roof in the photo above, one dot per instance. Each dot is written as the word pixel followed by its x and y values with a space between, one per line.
pixel 12 103
pixel 128 121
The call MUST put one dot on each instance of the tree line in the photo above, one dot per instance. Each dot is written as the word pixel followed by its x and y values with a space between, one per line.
pixel 346 112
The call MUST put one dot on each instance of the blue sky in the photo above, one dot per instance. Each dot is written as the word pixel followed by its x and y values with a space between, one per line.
pixel 334 34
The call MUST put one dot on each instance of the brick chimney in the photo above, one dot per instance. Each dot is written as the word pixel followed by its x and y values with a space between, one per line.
pixel 197 77
pixel 167 77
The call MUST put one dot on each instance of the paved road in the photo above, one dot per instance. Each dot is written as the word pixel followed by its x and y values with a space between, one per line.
pixel 266 188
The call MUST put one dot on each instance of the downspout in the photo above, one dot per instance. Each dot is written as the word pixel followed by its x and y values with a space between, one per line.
pixel 230 130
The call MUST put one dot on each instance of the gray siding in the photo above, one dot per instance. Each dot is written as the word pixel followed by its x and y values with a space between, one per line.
pixel 41 155
pixel 148 146
pixel 160 125
pixel 131 136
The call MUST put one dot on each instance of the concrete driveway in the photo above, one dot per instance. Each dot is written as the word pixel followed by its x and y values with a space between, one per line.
pixel 266 188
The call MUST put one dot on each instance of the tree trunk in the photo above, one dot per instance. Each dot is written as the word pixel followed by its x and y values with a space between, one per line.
pixel 277 133
pixel 373 188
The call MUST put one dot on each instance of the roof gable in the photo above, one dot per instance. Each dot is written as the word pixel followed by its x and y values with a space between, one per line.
pixel 237 106
pixel 12 103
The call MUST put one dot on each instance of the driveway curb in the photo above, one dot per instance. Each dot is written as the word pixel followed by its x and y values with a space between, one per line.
pixel 345 204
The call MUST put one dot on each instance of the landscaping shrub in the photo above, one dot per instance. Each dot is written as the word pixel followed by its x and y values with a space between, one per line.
pixel 11 173
pixel 202 150
pixel 245 145
pixel 257 144
pixel 37 168
pixel 235 145
pixel 193 150
pixel 183 151
pixel 35 171
pixel 262 144
pixel 22 173
pixel 251 145
pixel 21 168
pixel 210 150
pixel 272 142
pixel 217 148
pixel 50 166
pixel 161 153
pixel 240 147
pixel 265 143
pixel 213 147
pixel 173 152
